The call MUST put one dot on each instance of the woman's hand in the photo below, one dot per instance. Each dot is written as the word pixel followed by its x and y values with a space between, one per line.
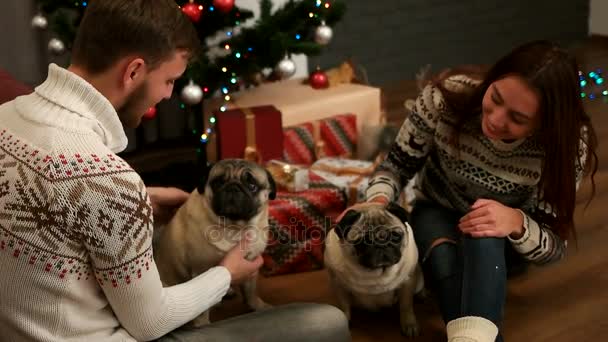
pixel 165 202
pixel 489 218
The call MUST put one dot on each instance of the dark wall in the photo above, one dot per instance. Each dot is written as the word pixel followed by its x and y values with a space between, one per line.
pixel 392 39
pixel 23 50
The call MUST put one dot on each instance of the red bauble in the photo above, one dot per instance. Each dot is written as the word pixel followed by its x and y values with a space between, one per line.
pixel 318 80
pixel 150 113
pixel 193 11
pixel 224 6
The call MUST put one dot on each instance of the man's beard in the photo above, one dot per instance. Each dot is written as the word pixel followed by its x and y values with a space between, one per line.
pixel 128 113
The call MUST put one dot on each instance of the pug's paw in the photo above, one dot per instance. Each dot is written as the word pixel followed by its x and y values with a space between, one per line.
pixel 258 304
pixel 410 328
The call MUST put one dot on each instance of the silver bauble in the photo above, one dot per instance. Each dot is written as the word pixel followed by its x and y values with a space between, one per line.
pixel 286 68
pixel 56 46
pixel 39 22
pixel 192 93
pixel 323 34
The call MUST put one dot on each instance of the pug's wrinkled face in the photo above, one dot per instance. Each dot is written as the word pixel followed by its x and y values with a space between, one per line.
pixel 374 237
pixel 238 190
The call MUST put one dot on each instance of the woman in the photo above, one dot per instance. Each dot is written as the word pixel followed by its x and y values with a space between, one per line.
pixel 499 157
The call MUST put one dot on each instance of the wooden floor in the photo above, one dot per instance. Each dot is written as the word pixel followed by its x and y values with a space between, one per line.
pixel 567 301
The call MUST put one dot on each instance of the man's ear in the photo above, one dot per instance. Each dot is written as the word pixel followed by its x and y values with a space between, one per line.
pixel 134 73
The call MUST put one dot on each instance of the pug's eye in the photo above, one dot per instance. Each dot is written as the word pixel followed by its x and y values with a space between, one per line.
pixel 253 187
pixel 216 183
pixel 396 238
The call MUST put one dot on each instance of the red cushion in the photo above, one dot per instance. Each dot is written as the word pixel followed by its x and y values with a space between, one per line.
pixel 11 88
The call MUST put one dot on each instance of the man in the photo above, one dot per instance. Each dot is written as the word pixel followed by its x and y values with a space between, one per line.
pixel 76 221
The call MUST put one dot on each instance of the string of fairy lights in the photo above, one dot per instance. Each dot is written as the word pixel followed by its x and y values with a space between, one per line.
pixel 285 69
pixel 192 93
pixel 595 80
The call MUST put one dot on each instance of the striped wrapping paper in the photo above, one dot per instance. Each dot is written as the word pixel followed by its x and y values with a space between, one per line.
pixel 332 137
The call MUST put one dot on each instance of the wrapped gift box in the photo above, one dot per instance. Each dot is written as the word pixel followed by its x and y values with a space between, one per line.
pixel 256 129
pixel 288 177
pixel 351 176
pixel 299 144
pixel 299 222
pixel 300 103
pixel 330 137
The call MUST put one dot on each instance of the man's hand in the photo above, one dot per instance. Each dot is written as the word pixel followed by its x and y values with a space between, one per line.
pixel 165 201
pixel 239 267
pixel 489 218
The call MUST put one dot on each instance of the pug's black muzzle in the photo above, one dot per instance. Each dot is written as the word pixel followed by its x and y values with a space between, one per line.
pixel 374 257
pixel 234 202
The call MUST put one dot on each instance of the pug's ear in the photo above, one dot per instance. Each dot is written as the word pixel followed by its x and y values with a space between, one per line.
pixel 398 211
pixel 343 227
pixel 202 181
pixel 201 186
pixel 273 186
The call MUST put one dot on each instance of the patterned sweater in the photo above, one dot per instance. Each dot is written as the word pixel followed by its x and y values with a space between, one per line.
pixel 76 226
pixel 455 176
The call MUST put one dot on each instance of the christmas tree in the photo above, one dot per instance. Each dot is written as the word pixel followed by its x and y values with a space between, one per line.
pixel 233 56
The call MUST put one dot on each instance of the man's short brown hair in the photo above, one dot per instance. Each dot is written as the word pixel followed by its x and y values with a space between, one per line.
pixel 113 29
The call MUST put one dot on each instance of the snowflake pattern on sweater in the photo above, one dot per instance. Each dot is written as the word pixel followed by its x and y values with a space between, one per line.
pixel 76 226
pixel 49 233
pixel 455 173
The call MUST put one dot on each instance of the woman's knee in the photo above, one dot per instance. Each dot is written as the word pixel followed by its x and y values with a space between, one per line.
pixel 442 259
pixel 487 248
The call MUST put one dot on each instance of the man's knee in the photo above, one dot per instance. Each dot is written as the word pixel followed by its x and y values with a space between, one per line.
pixel 325 321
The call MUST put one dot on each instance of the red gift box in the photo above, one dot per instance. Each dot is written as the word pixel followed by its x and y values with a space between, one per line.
pixel 339 135
pixel 332 137
pixel 298 225
pixel 299 144
pixel 244 132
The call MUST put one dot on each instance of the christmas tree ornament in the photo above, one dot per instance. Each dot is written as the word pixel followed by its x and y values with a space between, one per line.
pixel 318 80
pixel 150 113
pixel 323 34
pixel 224 6
pixel 193 11
pixel 56 46
pixel 39 21
pixel 192 93
pixel 286 68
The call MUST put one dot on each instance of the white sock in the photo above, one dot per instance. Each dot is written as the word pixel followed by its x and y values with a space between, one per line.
pixel 471 329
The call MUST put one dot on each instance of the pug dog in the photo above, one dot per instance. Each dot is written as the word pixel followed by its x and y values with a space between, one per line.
pixel 233 202
pixel 372 261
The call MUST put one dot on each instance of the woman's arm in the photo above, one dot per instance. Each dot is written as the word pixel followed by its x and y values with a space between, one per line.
pixel 411 147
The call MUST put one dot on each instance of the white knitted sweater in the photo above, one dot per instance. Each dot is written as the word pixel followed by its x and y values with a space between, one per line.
pixel 76 226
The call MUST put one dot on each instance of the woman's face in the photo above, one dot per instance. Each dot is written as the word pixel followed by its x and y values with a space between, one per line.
pixel 510 109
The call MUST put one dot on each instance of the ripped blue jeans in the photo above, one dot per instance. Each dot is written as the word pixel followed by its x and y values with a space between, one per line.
pixel 468 274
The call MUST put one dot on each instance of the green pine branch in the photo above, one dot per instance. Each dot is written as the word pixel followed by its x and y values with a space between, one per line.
pixel 288 30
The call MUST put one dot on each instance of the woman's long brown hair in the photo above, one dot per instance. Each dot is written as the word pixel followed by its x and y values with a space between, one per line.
pixel 553 72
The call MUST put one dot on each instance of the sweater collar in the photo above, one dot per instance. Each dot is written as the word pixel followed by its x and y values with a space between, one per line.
pixel 68 90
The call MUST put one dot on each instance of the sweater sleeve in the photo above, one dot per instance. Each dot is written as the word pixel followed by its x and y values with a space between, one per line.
pixel 411 147
pixel 539 244
pixel 112 215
